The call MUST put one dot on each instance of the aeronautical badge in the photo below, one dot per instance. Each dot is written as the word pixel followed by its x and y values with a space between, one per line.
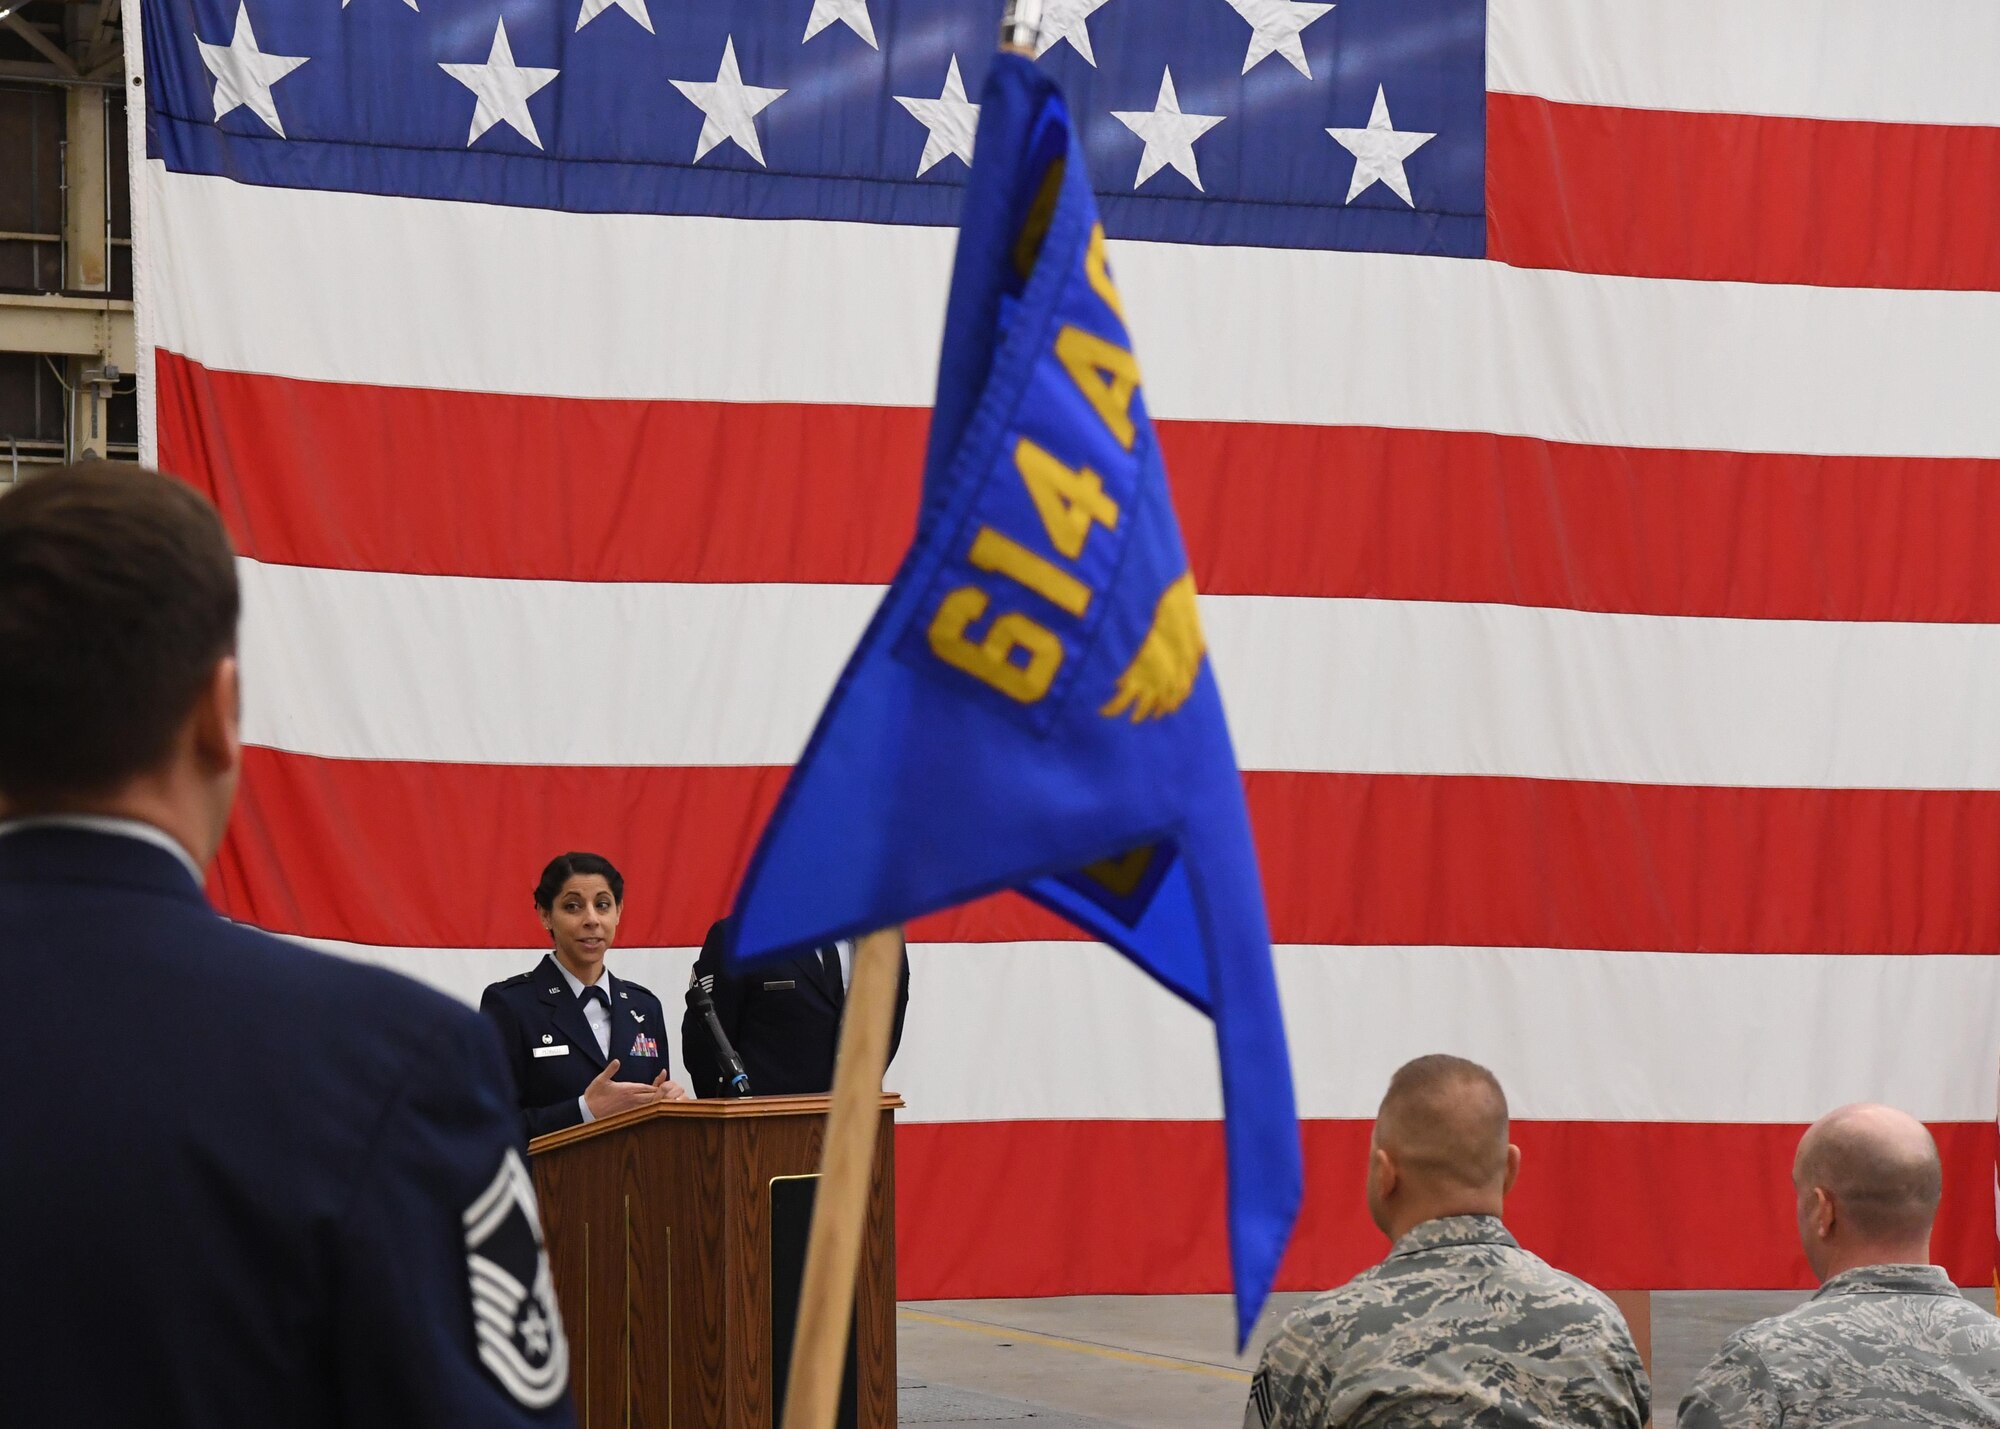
pixel 514 1313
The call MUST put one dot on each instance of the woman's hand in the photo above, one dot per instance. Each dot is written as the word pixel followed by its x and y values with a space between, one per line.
pixel 672 1091
pixel 605 1097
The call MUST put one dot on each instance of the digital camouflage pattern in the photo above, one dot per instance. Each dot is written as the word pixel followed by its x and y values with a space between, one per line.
pixel 1459 1327
pixel 1884 1344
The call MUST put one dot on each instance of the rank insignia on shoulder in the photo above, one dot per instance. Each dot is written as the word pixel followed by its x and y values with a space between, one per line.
pixel 515 1319
pixel 1262 1402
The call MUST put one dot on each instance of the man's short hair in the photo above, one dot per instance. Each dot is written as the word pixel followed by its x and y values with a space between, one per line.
pixel 1888 1185
pixel 1446 1118
pixel 117 596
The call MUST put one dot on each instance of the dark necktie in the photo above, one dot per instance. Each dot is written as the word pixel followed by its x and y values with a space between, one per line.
pixel 598 995
pixel 829 958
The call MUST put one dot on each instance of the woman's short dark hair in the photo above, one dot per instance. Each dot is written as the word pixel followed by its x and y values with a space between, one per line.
pixel 117 597
pixel 565 866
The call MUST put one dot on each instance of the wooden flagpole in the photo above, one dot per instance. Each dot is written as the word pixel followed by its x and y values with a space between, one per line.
pixel 847 1165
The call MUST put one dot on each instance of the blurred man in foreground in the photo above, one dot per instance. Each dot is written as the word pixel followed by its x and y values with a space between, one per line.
pixel 1888 1339
pixel 241 1183
pixel 1459 1325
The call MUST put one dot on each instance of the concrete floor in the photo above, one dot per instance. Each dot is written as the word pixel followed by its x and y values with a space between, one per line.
pixel 1162 1361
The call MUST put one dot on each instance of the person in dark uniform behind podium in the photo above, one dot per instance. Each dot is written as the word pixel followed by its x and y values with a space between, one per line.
pixel 241 1182
pixel 584 1043
pixel 783 1019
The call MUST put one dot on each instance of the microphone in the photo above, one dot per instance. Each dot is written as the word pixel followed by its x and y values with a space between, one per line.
pixel 735 1081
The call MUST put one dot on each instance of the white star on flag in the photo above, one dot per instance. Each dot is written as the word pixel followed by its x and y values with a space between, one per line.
pixel 635 8
pixel 951 118
pixel 1274 29
pixel 851 13
pixel 1169 134
pixel 411 3
pixel 244 74
pixel 1379 151
pixel 502 88
pixel 1068 20
pixel 729 107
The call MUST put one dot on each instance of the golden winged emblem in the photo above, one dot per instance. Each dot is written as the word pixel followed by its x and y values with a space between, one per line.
pixel 1162 675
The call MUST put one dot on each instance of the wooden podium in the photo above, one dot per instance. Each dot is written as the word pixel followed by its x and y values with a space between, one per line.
pixel 668 1229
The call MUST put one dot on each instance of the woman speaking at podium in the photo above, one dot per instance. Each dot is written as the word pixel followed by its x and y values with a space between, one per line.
pixel 583 1042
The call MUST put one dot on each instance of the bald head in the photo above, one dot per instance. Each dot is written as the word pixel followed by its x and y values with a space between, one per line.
pixel 1444 1120
pixel 1880 1168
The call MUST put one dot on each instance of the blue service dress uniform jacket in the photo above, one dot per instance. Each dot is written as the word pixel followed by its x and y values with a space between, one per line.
pixel 235 1173
pixel 554 1053
pixel 783 1019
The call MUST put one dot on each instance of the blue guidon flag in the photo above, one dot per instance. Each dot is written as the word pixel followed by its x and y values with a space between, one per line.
pixel 1032 706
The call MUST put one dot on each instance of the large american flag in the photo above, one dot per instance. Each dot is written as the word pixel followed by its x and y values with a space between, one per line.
pixel 1585 419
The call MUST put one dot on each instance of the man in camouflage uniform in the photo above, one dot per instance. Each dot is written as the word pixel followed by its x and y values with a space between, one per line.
pixel 1888 1339
pixel 1459 1326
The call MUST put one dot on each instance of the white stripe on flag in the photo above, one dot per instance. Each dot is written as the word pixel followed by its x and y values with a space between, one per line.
pixel 1574 1035
pixel 850 313
pixel 1895 61
pixel 366 665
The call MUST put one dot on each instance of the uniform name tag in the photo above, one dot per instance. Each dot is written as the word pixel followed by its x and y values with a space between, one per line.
pixel 552 1051
pixel 786 986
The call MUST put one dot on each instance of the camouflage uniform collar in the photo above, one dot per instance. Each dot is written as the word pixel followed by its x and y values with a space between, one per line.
pixel 1453 1230
pixel 1889 1280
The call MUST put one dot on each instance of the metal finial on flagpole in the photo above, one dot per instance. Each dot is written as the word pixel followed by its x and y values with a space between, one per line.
pixel 1021 26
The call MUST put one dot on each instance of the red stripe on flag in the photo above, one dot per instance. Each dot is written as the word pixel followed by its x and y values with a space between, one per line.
pixel 1119 1207
pixel 1742 197
pixel 444 855
pixel 318 474
pixel 1414 859
pixel 543 488
pixel 1466 516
